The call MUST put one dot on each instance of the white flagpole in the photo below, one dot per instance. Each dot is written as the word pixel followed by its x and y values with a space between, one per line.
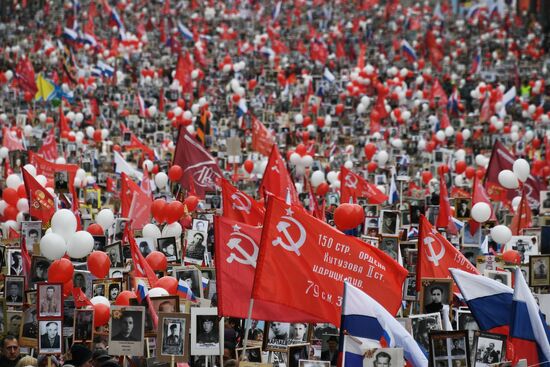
pixel 247 328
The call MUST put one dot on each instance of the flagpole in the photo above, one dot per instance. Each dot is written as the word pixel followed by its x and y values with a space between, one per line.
pixel 247 328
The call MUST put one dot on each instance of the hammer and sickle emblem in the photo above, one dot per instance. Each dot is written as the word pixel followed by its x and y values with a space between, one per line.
pixel 241 202
pixel 432 256
pixel 291 244
pixel 351 181
pixel 235 244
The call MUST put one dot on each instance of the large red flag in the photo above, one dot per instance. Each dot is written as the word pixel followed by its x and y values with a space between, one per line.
pixel 240 207
pixel 11 142
pixel 140 209
pixel 303 263
pixel 523 216
pixel 276 180
pixel 262 139
pixel 49 147
pixel 127 189
pixel 237 248
pixel 444 217
pixel 142 268
pixel 354 186
pixel 502 159
pixel 436 255
pixel 41 201
pixel 200 170
pixel 183 73
pixel 63 124
pixel 24 76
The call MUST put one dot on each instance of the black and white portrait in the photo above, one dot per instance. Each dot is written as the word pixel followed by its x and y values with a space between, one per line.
pixel 389 244
pixel 114 291
pixel 100 243
pixel 544 202
pixel 200 225
pixel 50 300
pixel 39 269
pixel 167 245
pixel 93 198
pixel 489 348
pixel 525 245
pixel 296 353
pixel 13 321
pixel 276 336
pixel 253 354
pixel 30 324
pixel 539 273
pixel 83 279
pixel 389 222
pixel 383 357
pixel 192 276
pixel 434 294
pixel 50 337
pixel 115 254
pixel 409 289
pixel 173 336
pixel 61 181
pixel 196 247
pixel 145 246
pixel 32 230
pixel 83 322
pixel 206 329
pixel 463 207
pixel 449 348
pixel 120 227
pixel 503 277
pixel 15 262
pixel 422 325
pixel 467 323
pixel 299 332
pixel 126 330
pixel 14 290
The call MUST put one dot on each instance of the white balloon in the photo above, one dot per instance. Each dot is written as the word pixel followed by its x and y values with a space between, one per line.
pixel 306 161
pixel 501 234
pixel 298 118
pixel 60 160
pixel 3 205
pixel 42 180
pixel 158 292
pixel 64 223
pixel 336 184
pixel 79 117
pixel 53 246
pixel 187 115
pixel 295 158
pixel 440 135
pixel 13 181
pixel 80 244
pixel 161 179
pixel 102 300
pixel 147 165
pixel 30 168
pixel 81 174
pixel 172 230
pixel 348 164
pixel 515 202
pixel 42 117
pixel 317 178
pixel 466 133
pixel 397 143
pixel 104 133
pixel 449 131
pixel 23 205
pixel 90 132
pixel 4 152
pixel 27 130
pixel 151 230
pixel 480 159
pixel 421 144
pixel 481 212
pixel 508 179
pixel 105 218
pixel 332 176
pixel 382 157
pixel 152 111
pixel 459 180
pixel 521 169
pixel 20 217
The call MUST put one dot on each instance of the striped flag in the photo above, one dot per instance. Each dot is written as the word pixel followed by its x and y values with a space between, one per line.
pixel 142 293
pixel 185 32
pixel 185 292
pixel 205 282
pixel 394 195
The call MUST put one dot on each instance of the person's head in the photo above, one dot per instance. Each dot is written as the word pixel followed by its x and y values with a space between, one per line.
pixel 51 329
pixel 79 280
pixel 143 246
pixel 277 328
pixel 430 323
pixel 499 278
pixel 13 289
pixel 198 238
pixel 491 346
pixel 166 306
pixel 27 361
pixel 15 323
pixel 300 329
pixel 42 270
pixel 388 219
pixel 170 249
pixel 173 329
pixel 127 324
pixel 208 324
pixel 50 291
pixel 382 359
pixel 114 290
pixel 332 343
pixel 10 347
pixel 16 258
pixel 437 294
pixel 33 235
pixel 456 343
pixel 81 356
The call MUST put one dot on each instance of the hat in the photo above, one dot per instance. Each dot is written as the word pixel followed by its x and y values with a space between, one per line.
pixel 99 353
pixel 80 354
pixel 110 363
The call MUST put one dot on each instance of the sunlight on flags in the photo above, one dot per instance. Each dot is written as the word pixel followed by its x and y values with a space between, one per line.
pixel 185 292
pixel 369 323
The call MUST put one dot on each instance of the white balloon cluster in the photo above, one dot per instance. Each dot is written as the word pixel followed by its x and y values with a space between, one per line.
pixel 520 172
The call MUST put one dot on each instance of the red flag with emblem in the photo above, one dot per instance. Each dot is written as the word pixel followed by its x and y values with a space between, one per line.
pixel 303 263
pixel 262 139
pixel 200 169
pixel 24 76
pixel 80 299
pixel 436 255
pixel 523 216
pixel 237 248
pixel 41 201
pixel 49 147
pixel 353 186
pixel 276 180
pixel 239 206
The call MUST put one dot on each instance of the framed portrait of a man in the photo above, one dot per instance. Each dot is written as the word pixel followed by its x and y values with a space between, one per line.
pixel 120 227
pixel 422 325
pixel 489 348
pixel 168 246
pixel 83 322
pixel 463 207
pixel 296 353
pixel 145 245
pixel 50 341
pixel 390 245
pixel 50 300
pixel 449 348
pixel 83 279
pixel 32 230
pixel 389 222
pixel 539 266
pixel 126 330
pixel 13 322
pixel 29 332
pixel 206 331
pixel 253 354
pixel 61 181
pixel 390 357
pixel 504 277
pixel 39 269
pixel 100 242
pixel 166 304
pixel 545 202
pixel 14 262
pixel 200 225
pixel 195 247
pixel 409 289
pixel 435 293
pixel 115 254
pixel 465 321
pixel 173 336
pixel 192 276
pixel 276 336
pixel 14 290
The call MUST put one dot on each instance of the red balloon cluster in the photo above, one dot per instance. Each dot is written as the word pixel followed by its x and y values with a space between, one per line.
pixel 11 197
pixel 348 216
pixel 370 150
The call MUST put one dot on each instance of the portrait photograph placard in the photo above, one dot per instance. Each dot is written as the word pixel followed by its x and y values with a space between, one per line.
pixel 29 332
pixel 83 326
pixel 539 274
pixel 39 269
pixel 422 325
pixel 489 348
pixel 295 353
pixel 126 330
pixel 434 293
pixel 83 279
pixel 173 337
pixel 449 349
pixel 13 322
pixel 313 363
pixel 504 277
pixel 390 357
pixel 115 254
pixel 166 304
pixel 50 300
pixel 14 290
pixel 50 341
pixel 276 336
pixel 206 331
pixel 168 246
pixel 390 245
pixel 192 276
pixel 195 246
pixel 14 261
pixel 253 354
pixel 389 222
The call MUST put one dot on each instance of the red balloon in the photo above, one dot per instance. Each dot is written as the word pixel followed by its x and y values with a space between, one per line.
pixel 10 212
pixel 96 230
pixel 442 169
pixel 460 167
pixel 339 108
pixel 175 173
pixel 371 167
pixel 155 169
pixel 191 202
pixel 426 177
pixel 10 196
pixel 538 164
pixel 348 216
pixel 430 146
pixel 21 191
pixel 511 257
pixel 102 313
pixel 97 136
pixel 248 166
pixel 99 264
pixel 157 260
pixel 301 149
pixel 116 148
pixel 187 222
pixel 60 271
pixel 174 211
pixel 470 172
pixel 252 84
pixel 158 210
pixel 322 189
pixel 480 172
pixel 169 283
pixel 370 149
pixel 123 298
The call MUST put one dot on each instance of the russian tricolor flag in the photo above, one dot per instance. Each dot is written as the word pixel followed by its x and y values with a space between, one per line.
pixel 70 34
pixel 185 32
pixel 142 293
pixel 368 322
pixel 185 292
pixel 409 51
pixel 394 195
pixel 476 64
pixel 205 282
pixel 141 105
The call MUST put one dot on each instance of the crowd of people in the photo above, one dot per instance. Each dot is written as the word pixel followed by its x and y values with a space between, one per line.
pixel 417 99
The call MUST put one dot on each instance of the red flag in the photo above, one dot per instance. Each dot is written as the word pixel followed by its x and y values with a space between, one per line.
pixel 444 217
pixel 80 299
pixel 304 261
pixel 26 262
pixel 436 255
pixel 502 159
pixel 11 142
pixel 183 73
pixel 262 139
pixel 140 209
pixel 63 125
pixel 276 180
pixel 24 76
pixel 237 248
pixel 49 147
pixel 438 91
pixel 41 201
pixel 142 268
pixel 200 170
pixel 239 206
pixel 127 189
pixel 354 186
pixel 135 143
pixel 485 112
pixel 523 216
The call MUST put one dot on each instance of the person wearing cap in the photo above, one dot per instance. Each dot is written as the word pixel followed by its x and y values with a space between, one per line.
pixel 207 333
pixel 30 328
pixel 81 356
pixel 173 338
pixel 332 353
pixel 41 271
